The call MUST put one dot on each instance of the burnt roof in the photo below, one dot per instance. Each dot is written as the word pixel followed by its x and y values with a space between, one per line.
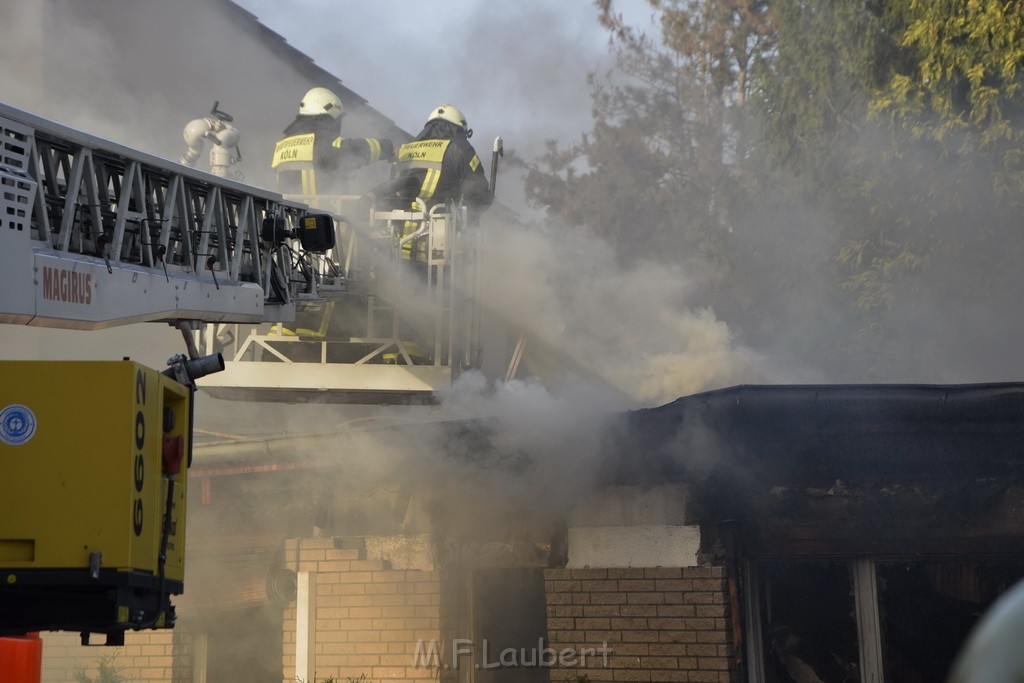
pixel 815 434
pixel 834 469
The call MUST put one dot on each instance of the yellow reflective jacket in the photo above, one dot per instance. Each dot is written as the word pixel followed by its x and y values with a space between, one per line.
pixel 313 158
pixel 440 165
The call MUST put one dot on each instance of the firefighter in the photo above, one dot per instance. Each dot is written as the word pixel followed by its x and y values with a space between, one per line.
pixel 312 157
pixel 440 165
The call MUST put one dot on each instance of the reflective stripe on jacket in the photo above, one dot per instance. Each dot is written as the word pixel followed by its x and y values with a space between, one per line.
pixel 429 156
pixel 313 159
pixel 425 154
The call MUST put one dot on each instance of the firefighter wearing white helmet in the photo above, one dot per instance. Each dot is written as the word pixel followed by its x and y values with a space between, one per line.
pixel 438 166
pixel 312 158
pixel 447 112
pixel 321 101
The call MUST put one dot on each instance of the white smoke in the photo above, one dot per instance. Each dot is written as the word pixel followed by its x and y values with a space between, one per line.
pixel 640 331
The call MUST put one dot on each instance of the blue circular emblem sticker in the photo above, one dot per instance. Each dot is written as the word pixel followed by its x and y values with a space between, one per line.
pixel 17 425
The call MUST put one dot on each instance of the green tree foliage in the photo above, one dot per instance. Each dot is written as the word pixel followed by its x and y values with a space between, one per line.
pixel 901 120
pixel 961 82
pixel 958 92
pixel 814 90
pixel 107 671
pixel 952 110
pixel 821 152
pixel 649 177
pixel 850 169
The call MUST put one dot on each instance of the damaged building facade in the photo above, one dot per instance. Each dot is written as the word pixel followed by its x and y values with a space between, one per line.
pixel 755 533
pixel 862 530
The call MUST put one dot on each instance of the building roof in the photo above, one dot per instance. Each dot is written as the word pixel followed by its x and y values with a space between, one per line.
pixel 878 469
pixel 812 434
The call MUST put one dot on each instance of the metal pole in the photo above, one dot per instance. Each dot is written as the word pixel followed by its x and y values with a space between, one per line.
pixel 869 628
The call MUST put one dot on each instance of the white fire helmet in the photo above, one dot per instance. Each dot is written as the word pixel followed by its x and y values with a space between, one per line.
pixel 450 113
pixel 321 101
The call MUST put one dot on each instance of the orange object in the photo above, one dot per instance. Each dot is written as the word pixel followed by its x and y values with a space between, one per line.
pixel 21 659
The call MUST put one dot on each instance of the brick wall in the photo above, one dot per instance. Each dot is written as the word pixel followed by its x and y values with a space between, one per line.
pixel 660 624
pixel 146 657
pixel 369 617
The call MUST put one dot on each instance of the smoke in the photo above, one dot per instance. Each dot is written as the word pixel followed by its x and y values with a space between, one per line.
pixel 640 332
pixel 136 74
pixel 20 19
pixel 496 460
pixel 598 338
pixel 938 307
pixel 496 457
pixel 544 87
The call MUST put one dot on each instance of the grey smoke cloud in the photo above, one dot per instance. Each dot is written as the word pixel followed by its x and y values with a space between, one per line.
pixel 137 73
pixel 641 330
pixel 600 338
pixel 130 73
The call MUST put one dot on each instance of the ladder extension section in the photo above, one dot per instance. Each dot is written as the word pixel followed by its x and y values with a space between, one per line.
pixel 94 234
pixel 303 308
